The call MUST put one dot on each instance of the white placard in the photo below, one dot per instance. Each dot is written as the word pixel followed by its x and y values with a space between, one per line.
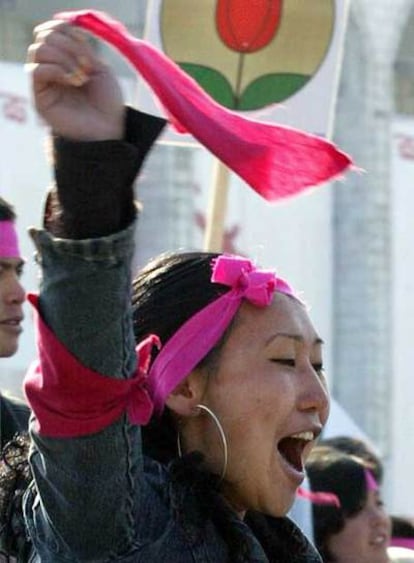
pixel 299 46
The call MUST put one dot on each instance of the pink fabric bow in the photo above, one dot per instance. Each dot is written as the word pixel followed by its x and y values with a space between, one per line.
pixel 257 286
pixel 70 399
pixel 275 161
pixel 195 338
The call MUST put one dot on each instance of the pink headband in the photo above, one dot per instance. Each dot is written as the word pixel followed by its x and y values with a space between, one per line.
pixel 195 338
pixel 402 542
pixel 370 480
pixel 9 246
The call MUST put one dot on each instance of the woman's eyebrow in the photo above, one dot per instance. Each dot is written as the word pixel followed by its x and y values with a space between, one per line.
pixel 292 336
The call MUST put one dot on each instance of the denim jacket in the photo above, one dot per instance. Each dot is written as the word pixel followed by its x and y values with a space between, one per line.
pixel 97 498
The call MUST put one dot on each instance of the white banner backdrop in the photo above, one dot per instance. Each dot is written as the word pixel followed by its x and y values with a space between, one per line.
pixel 402 204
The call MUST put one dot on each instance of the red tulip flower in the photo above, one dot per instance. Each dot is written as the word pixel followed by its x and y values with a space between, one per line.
pixel 247 26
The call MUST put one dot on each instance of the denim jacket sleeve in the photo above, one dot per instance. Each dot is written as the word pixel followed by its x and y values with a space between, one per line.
pixel 87 489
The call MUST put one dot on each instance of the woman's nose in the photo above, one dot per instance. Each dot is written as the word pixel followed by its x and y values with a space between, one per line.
pixel 14 293
pixel 314 394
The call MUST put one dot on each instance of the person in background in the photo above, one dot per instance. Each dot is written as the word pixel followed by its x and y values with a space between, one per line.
pixel 354 528
pixel 358 448
pixel 196 453
pixel 14 413
pixel 12 294
pixel 401 547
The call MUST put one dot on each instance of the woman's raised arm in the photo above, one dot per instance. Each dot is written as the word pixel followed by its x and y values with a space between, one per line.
pixel 86 454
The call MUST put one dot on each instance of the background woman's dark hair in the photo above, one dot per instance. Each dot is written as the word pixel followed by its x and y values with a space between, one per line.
pixel 6 211
pixel 358 448
pixel 330 470
pixel 402 527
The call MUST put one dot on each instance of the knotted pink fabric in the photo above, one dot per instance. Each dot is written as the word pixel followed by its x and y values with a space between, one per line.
pixel 195 338
pixel 9 244
pixel 275 161
pixel 70 399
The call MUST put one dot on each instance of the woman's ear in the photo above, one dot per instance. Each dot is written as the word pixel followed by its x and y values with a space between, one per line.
pixel 187 395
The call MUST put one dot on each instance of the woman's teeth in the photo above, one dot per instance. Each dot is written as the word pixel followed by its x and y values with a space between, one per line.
pixel 308 436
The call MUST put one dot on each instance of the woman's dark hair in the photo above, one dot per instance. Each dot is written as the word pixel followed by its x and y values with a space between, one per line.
pixel 358 448
pixel 6 211
pixel 402 527
pixel 170 290
pixel 333 471
pixel 165 294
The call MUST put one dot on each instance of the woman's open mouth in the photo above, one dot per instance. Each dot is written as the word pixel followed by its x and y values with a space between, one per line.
pixel 292 449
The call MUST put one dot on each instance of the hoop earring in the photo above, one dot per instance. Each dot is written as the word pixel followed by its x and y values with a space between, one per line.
pixel 222 436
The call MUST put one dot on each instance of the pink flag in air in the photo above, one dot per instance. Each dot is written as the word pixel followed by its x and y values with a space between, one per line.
pixel 276 161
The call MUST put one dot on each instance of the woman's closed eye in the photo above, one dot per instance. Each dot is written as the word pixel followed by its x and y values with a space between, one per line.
pixel 284 361
pixel 290 362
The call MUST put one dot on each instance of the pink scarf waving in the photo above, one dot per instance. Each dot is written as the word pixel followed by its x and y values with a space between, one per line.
pixel 276 161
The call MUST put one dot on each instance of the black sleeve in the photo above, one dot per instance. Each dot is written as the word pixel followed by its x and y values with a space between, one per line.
pixel 93 196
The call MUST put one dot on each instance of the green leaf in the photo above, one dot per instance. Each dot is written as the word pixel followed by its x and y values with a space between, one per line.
pixel 213 82
pixel 271 89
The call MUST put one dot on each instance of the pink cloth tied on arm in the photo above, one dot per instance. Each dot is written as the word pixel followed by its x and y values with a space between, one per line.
pixel 195 338
pixel 276 161
pixel 70 399
pixel 9 244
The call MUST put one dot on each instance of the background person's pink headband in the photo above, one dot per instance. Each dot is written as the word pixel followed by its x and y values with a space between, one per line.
pixel 370 481
pixel 196 337
pixel 9 245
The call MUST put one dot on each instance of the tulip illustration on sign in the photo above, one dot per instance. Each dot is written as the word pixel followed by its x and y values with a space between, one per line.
pixel 247 25
pixel 248 54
